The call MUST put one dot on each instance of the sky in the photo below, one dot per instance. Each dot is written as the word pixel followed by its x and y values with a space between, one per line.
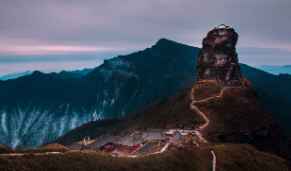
pixel 52 35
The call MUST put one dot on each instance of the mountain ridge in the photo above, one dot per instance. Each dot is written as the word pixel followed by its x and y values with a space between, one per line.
pixel 274 69
pixel 201 127
pixel 9 76
pixel 121 85
pixel 118 86
pixel 221 107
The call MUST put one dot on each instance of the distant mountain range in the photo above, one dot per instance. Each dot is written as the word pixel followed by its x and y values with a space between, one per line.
pixel 76 73
pixel 14 75
pixel 39 107
pixel 284 69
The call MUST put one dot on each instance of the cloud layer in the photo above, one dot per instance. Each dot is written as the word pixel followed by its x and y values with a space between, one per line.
pixel 91 26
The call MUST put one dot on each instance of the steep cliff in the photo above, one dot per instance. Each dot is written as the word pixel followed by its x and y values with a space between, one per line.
pixel 218 59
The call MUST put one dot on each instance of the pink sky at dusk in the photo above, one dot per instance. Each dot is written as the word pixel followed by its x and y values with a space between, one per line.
pixel 34 29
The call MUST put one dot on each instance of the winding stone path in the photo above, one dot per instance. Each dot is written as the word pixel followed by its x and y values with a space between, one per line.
pixel 194 108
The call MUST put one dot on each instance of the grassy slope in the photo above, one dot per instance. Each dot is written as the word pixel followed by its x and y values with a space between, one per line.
pixel 229 158
pixel 5 149
pixel 157 116
pixel 173 112
pixel 238 117
pixel 245 157
pixel 274 93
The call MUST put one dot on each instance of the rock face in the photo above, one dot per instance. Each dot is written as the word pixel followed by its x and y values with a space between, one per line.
pixel 218 58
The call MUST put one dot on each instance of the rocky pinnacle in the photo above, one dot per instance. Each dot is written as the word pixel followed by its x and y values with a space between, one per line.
pixel 218 59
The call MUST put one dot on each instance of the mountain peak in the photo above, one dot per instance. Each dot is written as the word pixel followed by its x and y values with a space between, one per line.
pixel 37 73
pixel 165 42
pixel 218 59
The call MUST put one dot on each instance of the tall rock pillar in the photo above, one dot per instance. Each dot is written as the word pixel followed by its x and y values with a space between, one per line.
pixel 218 59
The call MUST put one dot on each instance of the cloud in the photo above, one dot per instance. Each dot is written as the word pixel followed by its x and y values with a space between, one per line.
pixel 52 49
pixel 85 26
pixel 262 56
pixel 48 66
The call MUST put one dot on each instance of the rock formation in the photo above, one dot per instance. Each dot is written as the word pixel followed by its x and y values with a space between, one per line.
pixel 218 58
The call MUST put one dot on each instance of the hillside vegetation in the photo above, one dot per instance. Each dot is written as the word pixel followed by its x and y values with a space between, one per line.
pixel 230 158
